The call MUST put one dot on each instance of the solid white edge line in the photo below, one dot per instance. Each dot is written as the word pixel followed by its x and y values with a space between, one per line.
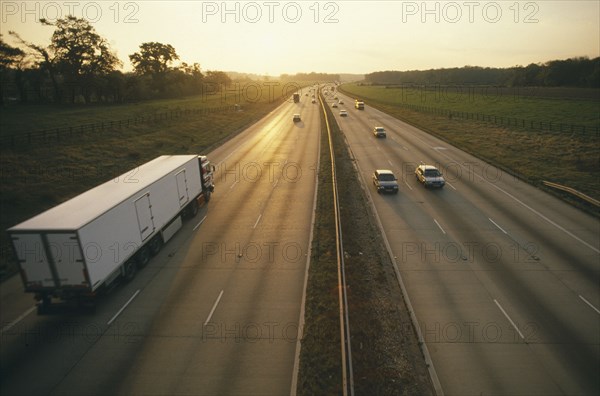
pixel 451 186
pixel 20 318
pixel 590 304
pixel 212 311
pixel 509 319
pixel 529 207
pixel 123 307
pixel 547 219
pixel 500 228
pixel 199 224
pixel 438 224
pixel 257 220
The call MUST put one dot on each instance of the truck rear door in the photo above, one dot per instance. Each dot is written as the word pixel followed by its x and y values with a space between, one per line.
pixel 66 255
pixel 33 261
pixel 182 188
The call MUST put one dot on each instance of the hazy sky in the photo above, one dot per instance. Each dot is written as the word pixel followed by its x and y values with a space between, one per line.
pixel 273 37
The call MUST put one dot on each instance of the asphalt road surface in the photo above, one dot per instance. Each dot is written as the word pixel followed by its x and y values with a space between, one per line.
pixel 503 278
pixel 216 312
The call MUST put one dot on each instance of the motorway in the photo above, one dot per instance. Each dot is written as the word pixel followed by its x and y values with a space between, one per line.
pixel 504 279
pixel 217 311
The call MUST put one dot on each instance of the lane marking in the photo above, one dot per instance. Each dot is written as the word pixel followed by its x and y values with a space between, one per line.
pixel 590 304
pixel 500 228
pixel 509 319
pixel 123 307
pixel 451 186
pixel 438 224
pixel 198 225
pixel 521 202
pixel 234 184
pixel 408 185
pixel 213 308
pixel 20 318
pixel 547 219
pixel 257 220
pixel 390 162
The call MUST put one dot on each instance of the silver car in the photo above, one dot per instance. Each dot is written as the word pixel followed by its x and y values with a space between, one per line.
pixel 430 176
pixel 385 181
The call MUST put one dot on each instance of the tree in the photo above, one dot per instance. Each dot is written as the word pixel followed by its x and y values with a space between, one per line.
pixel 10 57
pixel 154 59
pixel 80 54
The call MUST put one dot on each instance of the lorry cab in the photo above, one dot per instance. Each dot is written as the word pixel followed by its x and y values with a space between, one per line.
pixel 206 174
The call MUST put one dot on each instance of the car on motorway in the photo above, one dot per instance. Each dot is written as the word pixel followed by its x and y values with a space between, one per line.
pixel 341 102
pixel 343 113
pixel 334 105
pixel 430 176
pixel 296 118
pixel 385 181
pixel 313 101
pixel 379 132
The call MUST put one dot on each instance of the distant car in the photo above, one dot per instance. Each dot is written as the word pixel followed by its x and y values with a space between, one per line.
pixel 334 105
pixel 430 176
pixel 343 113
pixel 385 181
pixel 314 101
pixel 336 98
pixel 379 132
pixel 306 94
pixel 296 118
pixel 341 102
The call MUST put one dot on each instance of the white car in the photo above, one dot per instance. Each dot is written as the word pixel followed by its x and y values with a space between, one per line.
pixel 296 118
pixel 334 105
pixel 343 113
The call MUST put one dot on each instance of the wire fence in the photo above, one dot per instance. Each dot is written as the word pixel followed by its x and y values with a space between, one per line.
pixel 66 133
pixel 548 126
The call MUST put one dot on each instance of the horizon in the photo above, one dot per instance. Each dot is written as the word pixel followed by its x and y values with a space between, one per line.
pixel 344 37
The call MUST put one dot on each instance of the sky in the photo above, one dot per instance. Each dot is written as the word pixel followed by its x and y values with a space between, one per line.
pixel 274 37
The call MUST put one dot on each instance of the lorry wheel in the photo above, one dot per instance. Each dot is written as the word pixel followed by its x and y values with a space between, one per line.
pixel 43 305
pixel 129 270
pixel 192 209
pixel 143 257
pixel 155 245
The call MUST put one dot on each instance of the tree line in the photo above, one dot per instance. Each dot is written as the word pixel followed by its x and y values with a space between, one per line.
pixel 572 72
pixel 78 66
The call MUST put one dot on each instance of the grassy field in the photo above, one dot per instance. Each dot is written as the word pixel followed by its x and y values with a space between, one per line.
pixel 502 102
pixel 570 159
pixel 37 177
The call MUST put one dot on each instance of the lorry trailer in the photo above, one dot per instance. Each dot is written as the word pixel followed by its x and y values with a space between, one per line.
pixel 75 249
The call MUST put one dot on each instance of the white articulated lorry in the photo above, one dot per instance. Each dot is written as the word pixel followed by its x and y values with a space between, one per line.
pixel 70 252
